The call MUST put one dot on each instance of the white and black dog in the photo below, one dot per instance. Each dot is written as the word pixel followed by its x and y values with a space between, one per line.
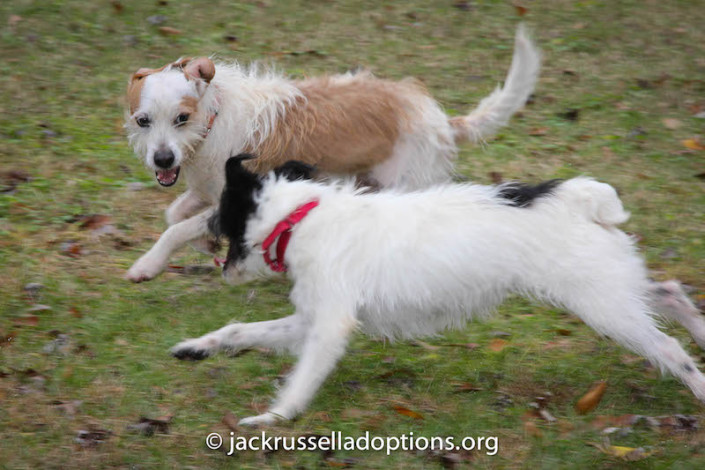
pixel 401 265
pixel 188 117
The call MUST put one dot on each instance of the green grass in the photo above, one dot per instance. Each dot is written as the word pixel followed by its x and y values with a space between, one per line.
pixel 624 65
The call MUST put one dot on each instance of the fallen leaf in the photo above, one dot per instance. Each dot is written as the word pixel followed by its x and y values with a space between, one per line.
pixel 67 407
pixel 230 421
pixel 407 412
pixel 564 332
pixel 26 320
pixel 465 387
pixel 117 6
pixel 521 9
pixel 94 221
pixel 149 426
pixel 627 453
pixel 591 399
pixel 92 437
pixel 570 115
pixel 671 123
pixel 463 5
pixel 169 31
pixel 538 131
pixel 693 144
pixel 497 344
pixel 532 429
pixel 496 177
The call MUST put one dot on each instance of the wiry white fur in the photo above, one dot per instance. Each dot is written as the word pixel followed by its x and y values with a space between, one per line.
pixel 405 265
pixel 250 100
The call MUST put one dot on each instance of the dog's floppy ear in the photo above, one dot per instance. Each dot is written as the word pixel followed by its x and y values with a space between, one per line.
pixel 295 170
pixel 201 67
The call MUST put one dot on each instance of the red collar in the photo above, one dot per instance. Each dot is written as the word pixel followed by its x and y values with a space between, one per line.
pixel 282 231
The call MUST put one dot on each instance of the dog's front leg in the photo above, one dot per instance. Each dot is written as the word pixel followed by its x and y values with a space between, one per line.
pixel 188 205
pixel 325 343
pixel 283 334
pixel 154 261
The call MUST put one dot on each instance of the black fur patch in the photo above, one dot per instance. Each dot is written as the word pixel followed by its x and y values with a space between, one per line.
pixel 237 204
pixel 295 170
pixel 522 195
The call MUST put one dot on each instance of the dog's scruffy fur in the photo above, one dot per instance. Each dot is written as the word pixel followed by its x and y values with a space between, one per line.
pixel 188 117
pixel 402 265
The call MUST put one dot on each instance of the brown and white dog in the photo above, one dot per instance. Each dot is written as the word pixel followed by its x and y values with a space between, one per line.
pixel 190 116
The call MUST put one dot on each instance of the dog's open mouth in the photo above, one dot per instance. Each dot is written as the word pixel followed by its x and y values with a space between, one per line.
pixel 168 177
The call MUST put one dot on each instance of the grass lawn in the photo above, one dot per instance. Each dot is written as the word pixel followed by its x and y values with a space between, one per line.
pixel 621 85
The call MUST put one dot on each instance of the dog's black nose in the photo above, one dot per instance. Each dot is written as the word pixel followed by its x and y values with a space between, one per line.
pixel 164 158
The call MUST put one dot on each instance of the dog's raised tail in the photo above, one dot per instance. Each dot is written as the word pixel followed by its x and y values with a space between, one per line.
pixel 495 110
pixel 599 202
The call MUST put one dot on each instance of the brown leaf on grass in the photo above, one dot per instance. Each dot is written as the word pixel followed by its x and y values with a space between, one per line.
pixel 591 399
pixel 470 346
pixel 693 144
pixel 117 6
pixel 463 5
pixel 532 429
pixel 72 249
pixel 230 421
pixel 67 407
pixel 92 437
pixel 462 387
pixel 149 426
pixel 402 410
pixel 700 176
pixel 94 221
pixel 11 179
pixel 496 177
pixel 497 344
pixel 26 320
pixel 570 115
pixel 564 331
pixel 521 9
pixel 169 31
pixel 6 339
pixel 538 131
pixel 671 123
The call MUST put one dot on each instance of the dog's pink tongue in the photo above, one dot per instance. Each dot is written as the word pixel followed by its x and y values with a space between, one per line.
pixel 167 176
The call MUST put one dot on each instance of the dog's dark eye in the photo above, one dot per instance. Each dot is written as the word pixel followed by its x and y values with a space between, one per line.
pixel 181 119
pixel 143 121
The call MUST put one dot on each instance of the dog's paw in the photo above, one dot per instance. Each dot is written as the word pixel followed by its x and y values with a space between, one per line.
pixel 265 419
pixel 195 349
pixel 144 269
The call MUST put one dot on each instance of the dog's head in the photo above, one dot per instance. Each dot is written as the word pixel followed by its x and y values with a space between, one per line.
pixel 239 202
pixel 166 117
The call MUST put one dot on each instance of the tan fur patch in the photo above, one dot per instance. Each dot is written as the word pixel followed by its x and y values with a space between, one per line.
pixel 346 126
pixel 188 105
pixel 134 89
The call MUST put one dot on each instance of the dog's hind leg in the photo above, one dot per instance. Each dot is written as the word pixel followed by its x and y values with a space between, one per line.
pixel 670 301
pixel 325 343
pixel 283 334
pixel 626 319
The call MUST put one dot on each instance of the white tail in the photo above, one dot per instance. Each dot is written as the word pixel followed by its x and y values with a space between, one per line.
pixel 495 110
pixel 599 202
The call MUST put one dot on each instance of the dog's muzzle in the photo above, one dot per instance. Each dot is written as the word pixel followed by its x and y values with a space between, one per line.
pixel 166 175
